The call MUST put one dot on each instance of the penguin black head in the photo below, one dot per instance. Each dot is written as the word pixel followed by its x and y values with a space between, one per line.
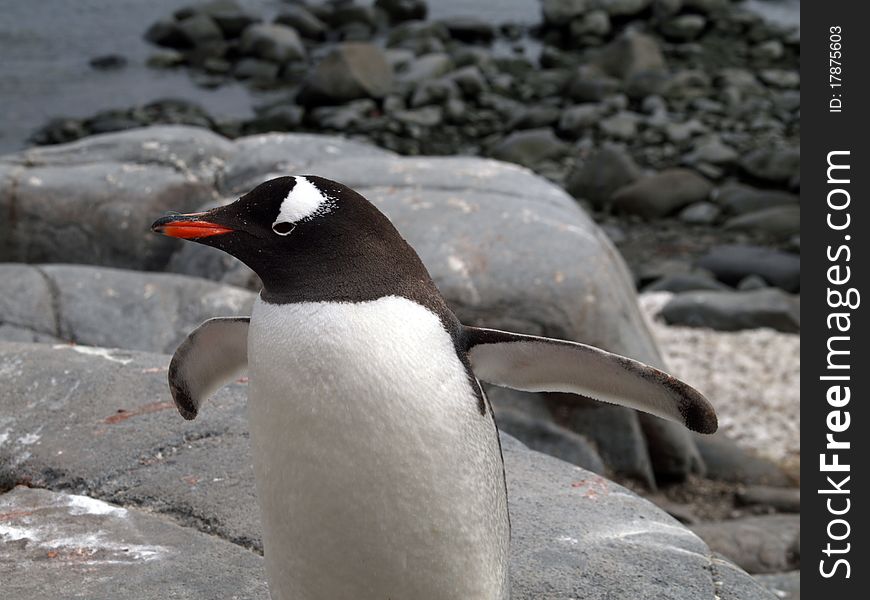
pixel 308 238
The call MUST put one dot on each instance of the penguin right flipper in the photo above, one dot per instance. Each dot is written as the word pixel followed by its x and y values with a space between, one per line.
pixel 538 364
pixel 212 355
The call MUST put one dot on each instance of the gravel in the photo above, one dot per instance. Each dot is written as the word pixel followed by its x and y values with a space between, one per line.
pixel 764 416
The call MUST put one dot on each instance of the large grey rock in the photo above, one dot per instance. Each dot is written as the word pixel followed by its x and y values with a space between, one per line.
pixel 733 311
pixel 731 263
pixel 602 173
pixel 258 157
pixel 350 71
pixel 76 546
pixel 551 439
pixel 192 151
pixel 764 544
pixel 96 213
pixel 662 194
pixel 98 306
pixel 786 586
pixel 101 424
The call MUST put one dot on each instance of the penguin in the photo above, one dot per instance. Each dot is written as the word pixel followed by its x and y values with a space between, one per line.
pixel 377 460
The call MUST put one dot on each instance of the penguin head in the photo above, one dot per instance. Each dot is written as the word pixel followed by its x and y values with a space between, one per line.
pixel 293 230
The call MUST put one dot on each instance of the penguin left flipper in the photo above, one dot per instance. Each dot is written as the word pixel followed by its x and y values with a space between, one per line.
pixel 538 364
pixel 212 355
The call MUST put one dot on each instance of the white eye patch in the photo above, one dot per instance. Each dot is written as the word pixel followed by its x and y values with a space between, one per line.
pixel 304 202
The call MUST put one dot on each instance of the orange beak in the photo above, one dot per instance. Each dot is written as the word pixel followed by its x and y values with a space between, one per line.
pixel 188 227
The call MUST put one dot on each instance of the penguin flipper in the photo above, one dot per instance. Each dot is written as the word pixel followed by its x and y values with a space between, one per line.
pixel 538 364
pixel 212 355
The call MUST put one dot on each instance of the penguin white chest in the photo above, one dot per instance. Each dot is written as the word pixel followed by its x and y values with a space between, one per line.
pixel 378 475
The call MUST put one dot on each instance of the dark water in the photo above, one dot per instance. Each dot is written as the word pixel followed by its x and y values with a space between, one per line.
pixel 45 46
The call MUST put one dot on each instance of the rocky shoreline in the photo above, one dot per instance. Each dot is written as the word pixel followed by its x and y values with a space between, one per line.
pixel 667 119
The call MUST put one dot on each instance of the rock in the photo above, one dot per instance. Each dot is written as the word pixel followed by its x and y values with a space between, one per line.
pixel 726 461
pixel 591 85
pixel 684 28
pixel 730 263
pixel 777 164
pixel 593 23
pixel 227 14
pixel 777 498
pixel 350 71
pixel 470 81
pixel 534 117
pixel 299 18
pixel 768 51
pixel 623 8
pixel 740 199
pixel 733 311
pixel 255 69
pixel 428 116
pixel 108 62
pixel 95 213
pixel 428 66
pixel 344 117
pixel 601 174
pixel 568 525
pixel 562 12
pixel 763 544
pixel 469 29
pixel 259 157
pixel 752 282
pixel 786 586
pixel 684 131
pixel 168 34
pixel 192 151
pixel 778 222
pixel 530 147
pixel 685 282
pixel 575 120
pixel 403 10
pixel 712 150
pixel 662 194
pixel 619 441
pixel 700 213
pixel 283 117
pixel 435 91
pixel 94 549
pixel 275 42
pixel 622 125
pixel 549 438
pixel 200 31
pixel 631 54
pixel 781 78
pixel 114 308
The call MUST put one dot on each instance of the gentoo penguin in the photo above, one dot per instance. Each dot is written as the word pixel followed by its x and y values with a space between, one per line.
pixel 377 459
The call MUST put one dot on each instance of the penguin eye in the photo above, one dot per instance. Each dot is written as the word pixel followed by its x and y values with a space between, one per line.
pixel 283 228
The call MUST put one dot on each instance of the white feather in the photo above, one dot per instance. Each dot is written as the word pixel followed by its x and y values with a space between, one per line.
pixel 377 475
pixel 304 201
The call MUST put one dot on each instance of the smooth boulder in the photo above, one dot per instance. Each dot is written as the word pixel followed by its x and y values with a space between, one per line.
pixel 102 422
